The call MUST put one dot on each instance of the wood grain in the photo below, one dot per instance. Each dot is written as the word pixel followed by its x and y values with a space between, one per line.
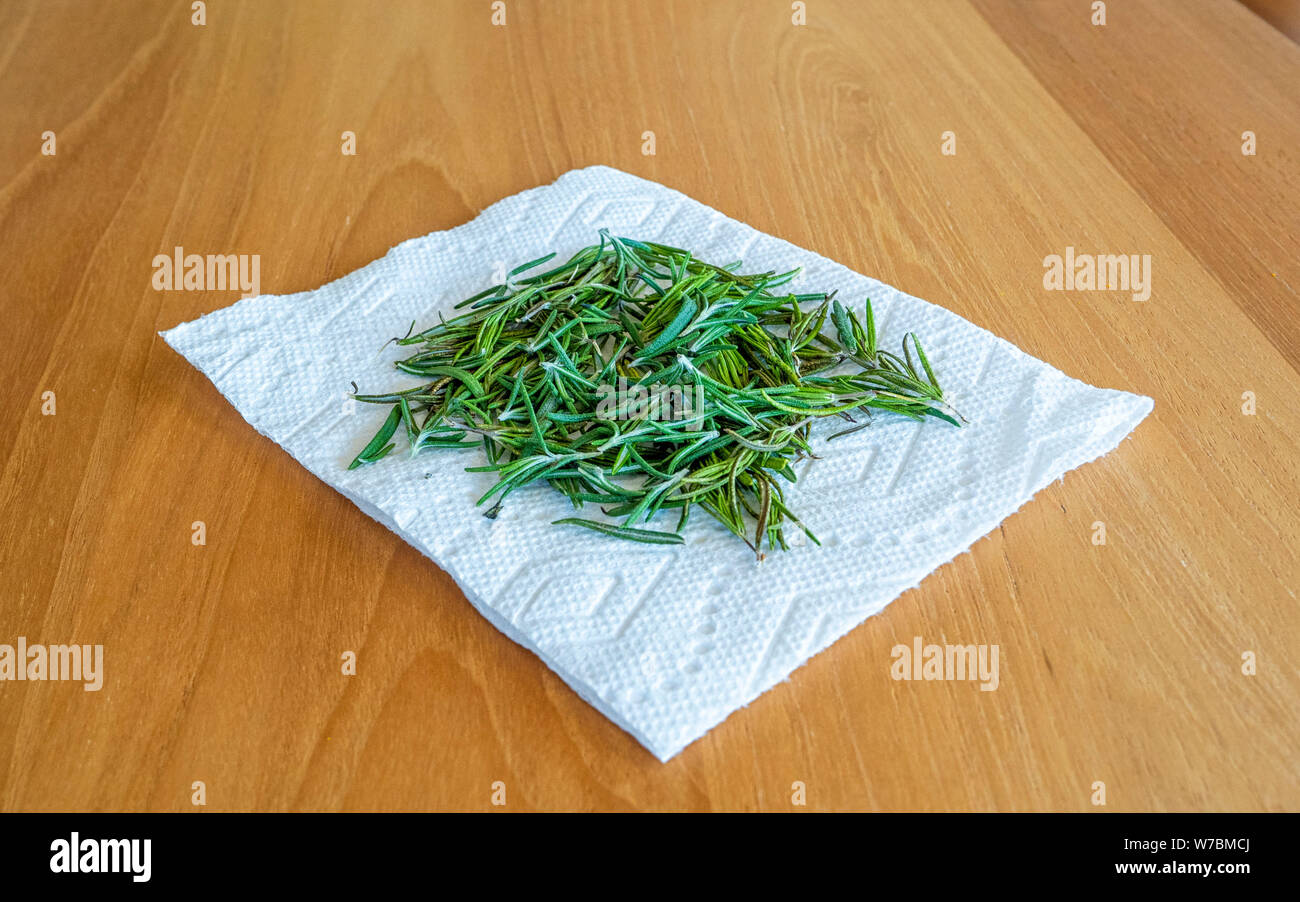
pixel 1121 663
pixel 1284 15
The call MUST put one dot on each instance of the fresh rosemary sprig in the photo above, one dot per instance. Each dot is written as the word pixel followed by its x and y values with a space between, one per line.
pixel 637 377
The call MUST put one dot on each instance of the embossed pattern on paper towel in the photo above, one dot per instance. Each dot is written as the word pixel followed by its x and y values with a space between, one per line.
pixel 665 641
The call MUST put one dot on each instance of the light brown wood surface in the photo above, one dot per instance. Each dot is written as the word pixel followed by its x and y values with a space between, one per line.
pixel 1120 663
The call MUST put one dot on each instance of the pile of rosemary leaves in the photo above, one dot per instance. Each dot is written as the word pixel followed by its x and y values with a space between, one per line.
pixel 641 379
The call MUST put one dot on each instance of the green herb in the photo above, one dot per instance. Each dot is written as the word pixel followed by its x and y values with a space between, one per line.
pixel 641 379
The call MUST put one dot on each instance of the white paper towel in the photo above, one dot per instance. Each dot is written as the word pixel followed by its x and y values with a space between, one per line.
pixel 666 641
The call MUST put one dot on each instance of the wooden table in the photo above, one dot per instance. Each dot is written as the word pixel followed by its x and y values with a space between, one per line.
pixel 1121 663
